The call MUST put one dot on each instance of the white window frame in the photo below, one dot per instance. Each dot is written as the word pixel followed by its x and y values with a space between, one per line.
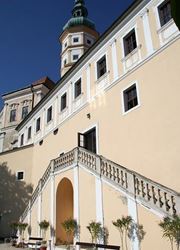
pixel 97 134
pixel 75 60
pixel 47 122
pixel 20 171
pixel 95 65
pixel 65 92
pixel 122 40
pixel 73 85
pixel 158 22
pixel 122 97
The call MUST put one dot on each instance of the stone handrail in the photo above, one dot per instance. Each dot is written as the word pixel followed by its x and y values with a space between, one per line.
pixel 151 194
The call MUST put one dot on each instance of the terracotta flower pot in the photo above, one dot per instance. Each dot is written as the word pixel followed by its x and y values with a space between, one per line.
pixel 43 248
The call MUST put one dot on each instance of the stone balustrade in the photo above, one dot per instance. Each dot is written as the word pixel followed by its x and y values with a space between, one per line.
pixel 147 192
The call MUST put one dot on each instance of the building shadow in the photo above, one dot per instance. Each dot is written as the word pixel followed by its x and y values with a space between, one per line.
pixel 14 196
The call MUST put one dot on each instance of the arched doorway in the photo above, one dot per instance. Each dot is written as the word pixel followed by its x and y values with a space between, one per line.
pixel 64 208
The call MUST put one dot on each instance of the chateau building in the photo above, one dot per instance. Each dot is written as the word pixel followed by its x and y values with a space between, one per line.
pixel 104 142
pixel 17 105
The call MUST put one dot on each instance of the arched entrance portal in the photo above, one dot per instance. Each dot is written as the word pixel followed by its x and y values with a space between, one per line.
pixel 64 208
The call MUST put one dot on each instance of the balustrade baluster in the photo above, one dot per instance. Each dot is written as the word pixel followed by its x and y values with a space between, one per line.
pixel 143 189
pixel 148 192
pixel 118 177
pixel 154 195
pixel 161 203
pixel 122 178
pixel 167 202
pixel 173 206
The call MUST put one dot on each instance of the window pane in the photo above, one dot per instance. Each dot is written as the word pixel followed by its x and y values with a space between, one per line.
pixel 165 12
pixel 24 112
pixel 13 115
pixel 77 90
pixel 49 114
pixel 63 102
pixel 130 98
pixel 22 139
pixel 20 176
pixel 101 67
pixel 29 133
pixel 38 124
pixel 130 42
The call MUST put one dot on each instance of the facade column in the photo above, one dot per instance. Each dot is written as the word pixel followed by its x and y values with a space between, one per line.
pixel 99 197
pixel 147 32
pixel 76 194
pixel 132 211
pixel 43 122
pixel 29 219
pixel 39 216
pixel 4 115
pixel 114 60
pixel 55 115
pixel 88 81
pixel 52 205
pixel 2 135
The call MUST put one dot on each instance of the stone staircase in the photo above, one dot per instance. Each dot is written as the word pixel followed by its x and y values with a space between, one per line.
pixel 150 194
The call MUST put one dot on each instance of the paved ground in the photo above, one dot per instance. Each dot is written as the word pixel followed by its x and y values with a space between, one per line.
pixel 9 247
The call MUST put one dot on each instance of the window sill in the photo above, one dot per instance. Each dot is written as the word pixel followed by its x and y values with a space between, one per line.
pixel 78 97
pixel 38 132
pixel 102 77
pixel 131 53
pixel 49 122
pixel 64 110
pixel 130 110
pixel 165 26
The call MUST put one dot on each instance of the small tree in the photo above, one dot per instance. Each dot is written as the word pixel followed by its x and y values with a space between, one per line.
pixel 171 230
pixel 22 227
pixel 136 231
pixel 95 230
pixel 14 226
pixel 119 225
pixel 70 227
pixel 128 229
pixel 44 227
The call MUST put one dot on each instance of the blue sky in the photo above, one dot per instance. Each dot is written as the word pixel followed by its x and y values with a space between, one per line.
pixel 29 31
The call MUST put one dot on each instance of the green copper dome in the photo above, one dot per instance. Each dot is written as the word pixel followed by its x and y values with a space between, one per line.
pixel 79 16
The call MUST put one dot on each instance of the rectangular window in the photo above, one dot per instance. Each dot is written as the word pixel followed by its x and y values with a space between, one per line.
pixel 130 42
pixel 22 140
pixel 75 40
pixel 13 115
pixel 29 133
pixel 63 102
pixel 24 112
pixel 130 98
pixel 38 124
pixel 20 176
pixel 164 10
pixel 101 67
pixel 75 57
pixel 49 114
pixel 89 41
pixel 77 88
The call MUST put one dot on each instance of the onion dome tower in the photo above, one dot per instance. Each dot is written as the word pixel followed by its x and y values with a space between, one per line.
pixel 78 35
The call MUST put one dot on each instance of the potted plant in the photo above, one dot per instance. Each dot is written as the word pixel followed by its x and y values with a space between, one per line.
pixel 71 228
pixel 44 226
pixel 22 227
pixel 14 227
